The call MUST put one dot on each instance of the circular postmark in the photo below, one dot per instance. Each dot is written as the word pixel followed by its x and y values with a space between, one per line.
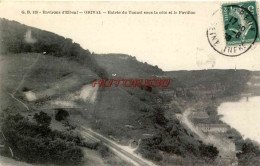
pixel 236 35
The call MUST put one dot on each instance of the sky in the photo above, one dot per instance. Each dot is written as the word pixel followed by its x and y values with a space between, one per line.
pixel 170 41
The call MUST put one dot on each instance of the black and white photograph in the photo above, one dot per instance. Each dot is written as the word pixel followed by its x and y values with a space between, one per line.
pixel 129 83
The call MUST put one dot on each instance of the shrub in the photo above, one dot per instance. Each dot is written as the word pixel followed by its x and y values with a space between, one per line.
pixel 249 154
pixel 208 151
pixel 37 143
pixel 104 151
pixel 43 119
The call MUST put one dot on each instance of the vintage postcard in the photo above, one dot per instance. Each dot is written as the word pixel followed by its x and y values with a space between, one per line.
pixel 129 83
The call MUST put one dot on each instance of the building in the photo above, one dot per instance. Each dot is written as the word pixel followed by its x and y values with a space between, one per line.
pixel 200 115
pixel 213 128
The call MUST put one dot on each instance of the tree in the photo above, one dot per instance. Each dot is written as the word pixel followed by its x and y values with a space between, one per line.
pixel 249 154
pixel 30 142
pixel 159 116
pixel 43 119
pixel 249 147
pixel 209 151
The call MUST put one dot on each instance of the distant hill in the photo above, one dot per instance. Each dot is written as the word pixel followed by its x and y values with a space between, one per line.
pixel 233 81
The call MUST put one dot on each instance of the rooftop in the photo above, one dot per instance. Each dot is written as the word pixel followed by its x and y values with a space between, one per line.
pixel 200 115
pixel 212 125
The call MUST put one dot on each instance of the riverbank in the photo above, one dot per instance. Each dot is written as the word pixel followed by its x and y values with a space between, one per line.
pixel 246 116
pixel 246 150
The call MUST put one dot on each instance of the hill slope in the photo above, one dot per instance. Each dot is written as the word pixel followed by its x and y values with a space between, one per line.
pixel 126 66
pixel 55 67
pixel 19 38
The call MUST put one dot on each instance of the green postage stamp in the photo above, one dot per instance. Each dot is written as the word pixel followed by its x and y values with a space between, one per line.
pixel 240 23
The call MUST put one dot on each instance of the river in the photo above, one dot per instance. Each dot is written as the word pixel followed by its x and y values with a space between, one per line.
pixel 244 116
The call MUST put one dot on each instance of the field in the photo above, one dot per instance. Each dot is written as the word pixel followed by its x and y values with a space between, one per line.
pixel 46 76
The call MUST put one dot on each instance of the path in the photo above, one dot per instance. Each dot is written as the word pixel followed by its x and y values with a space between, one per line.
pixel 118 149
pixel 226 147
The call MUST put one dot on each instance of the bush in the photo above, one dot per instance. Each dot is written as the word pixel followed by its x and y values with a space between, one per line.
pixel 43 119
pixel 208 151
pixel 173 138
pixel 37 143
pixel 104 151
pixel 93 146
pixel 148 148
pixel 250 153
pixel 159 117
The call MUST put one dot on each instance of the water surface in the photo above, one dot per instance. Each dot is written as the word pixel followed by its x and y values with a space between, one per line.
pixel 244 116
